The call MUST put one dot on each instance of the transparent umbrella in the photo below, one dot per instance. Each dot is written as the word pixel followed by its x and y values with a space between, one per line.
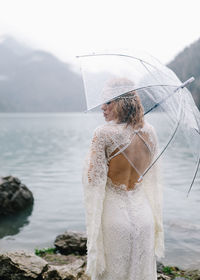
pixel 168 105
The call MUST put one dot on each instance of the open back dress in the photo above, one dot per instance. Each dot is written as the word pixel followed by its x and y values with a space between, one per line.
pixel 123 214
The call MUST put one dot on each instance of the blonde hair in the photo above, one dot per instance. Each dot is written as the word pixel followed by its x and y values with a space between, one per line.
pixel 128 107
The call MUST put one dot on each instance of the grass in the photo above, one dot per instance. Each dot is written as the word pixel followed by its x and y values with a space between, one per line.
pixel 174 272
pixel 168 270
pixel 44 251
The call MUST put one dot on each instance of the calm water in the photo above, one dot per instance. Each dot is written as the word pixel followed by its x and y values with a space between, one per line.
pixel 46 152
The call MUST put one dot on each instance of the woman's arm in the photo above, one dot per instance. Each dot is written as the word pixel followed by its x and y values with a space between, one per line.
pixel 152 184
pixel 94 182
pixel 97 168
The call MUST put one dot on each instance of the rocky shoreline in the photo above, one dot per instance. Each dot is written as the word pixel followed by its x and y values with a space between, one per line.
pixel 66 261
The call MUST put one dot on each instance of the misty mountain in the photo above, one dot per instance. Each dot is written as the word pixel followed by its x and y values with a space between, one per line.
pixel 187 64
pixel 36 81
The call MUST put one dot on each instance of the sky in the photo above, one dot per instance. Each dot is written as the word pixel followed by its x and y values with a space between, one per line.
pixel 68 28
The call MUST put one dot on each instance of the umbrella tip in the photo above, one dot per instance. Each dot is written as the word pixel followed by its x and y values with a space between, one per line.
pixel 140 179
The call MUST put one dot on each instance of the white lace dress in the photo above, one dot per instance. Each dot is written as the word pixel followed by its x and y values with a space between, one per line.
pixel 124 227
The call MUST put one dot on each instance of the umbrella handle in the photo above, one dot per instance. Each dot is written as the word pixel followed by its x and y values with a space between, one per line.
pixel 187 82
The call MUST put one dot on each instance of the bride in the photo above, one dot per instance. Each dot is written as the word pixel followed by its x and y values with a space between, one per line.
pixel 123 209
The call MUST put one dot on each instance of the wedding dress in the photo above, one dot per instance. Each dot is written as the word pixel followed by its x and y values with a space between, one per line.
pixel 124 227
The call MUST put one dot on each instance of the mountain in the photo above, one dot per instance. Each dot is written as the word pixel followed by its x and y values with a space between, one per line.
pixel 187 64
pixel 36 81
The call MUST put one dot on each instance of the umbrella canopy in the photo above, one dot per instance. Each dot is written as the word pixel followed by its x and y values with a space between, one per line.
pixel 168 106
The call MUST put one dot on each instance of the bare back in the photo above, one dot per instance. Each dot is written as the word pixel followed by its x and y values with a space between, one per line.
pixel 126 166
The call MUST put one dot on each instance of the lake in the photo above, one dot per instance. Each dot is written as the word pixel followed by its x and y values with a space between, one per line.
pixel 46 152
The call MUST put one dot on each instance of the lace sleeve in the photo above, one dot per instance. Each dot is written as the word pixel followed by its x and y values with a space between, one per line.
pixel 152 183
pixel 94 182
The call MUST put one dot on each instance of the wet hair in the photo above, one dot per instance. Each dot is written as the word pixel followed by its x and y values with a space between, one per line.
pixel 128 107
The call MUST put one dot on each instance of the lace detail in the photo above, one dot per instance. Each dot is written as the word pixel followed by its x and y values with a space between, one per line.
pixel 128 232
pixel 116 215
pixel 121 187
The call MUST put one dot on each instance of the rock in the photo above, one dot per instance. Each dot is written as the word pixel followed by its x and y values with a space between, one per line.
pixel 73 271
pixel 71 242
pixel 192 274
pixel 21 266
pixel 58 259
pixel 14 196
pixel 180 278
pixel 160 267
pixel 27 266
pixel 52 274
pixel 161 276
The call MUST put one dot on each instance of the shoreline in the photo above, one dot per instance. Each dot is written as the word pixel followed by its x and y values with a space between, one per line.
pixel 53 265
pixel 67 259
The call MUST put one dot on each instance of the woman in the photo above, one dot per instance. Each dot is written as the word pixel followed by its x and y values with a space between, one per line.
pixel 123 210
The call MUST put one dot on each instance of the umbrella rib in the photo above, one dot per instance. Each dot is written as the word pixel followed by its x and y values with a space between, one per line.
pixel 123 55
pixel 197 131
pixel 175 86
pixel 162 101
pixel 178 123
pixel 142 62
pixel 195 174
pixel 150 86
pixel 176 90
pixel 162 150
